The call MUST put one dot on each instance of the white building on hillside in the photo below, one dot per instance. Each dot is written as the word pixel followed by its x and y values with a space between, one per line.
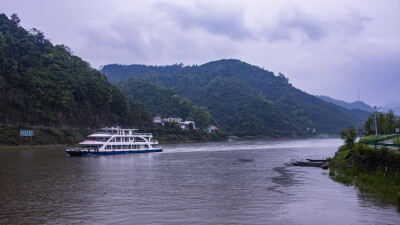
pixel 171 119
pixel 157 119
pixel 185 125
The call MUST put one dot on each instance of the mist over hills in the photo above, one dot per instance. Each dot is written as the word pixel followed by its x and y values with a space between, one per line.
pixel 245 99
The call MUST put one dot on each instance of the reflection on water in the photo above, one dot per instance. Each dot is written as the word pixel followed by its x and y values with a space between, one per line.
pixel 249 182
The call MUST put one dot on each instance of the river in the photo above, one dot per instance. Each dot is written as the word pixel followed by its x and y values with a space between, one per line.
pixel 240 182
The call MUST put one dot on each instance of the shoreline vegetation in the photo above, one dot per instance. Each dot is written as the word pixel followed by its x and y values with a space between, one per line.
pixel 374 171
pixel 47 136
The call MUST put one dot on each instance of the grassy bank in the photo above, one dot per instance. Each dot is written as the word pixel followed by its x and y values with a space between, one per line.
pixel 370 170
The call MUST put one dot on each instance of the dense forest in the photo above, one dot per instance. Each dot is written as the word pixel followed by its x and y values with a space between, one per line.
pixel 164 102
pixel 42 84
pixel 246 99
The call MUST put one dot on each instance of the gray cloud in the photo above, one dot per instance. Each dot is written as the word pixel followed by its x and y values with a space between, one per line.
pixel 134 38
pixel 223 20
pixel 308 25
pixel 292 21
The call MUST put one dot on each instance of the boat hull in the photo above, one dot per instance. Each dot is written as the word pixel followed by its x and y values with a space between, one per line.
pixel 312 164
pixel 84 153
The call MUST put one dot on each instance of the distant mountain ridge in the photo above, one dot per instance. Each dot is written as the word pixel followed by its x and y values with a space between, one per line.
pixel 245 99
pixel 354 105
pixel 361 105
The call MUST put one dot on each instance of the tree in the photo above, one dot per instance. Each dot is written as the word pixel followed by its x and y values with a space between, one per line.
pixel 390 121
pixel 349 136
pixel 381 121
pixel 15 19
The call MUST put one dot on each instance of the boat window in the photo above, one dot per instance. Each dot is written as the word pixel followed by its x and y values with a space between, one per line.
pixel 118 139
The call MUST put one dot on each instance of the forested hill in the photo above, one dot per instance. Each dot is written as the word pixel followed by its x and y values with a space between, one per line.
pixel 245 99
pixel 42 84
pixel 164 102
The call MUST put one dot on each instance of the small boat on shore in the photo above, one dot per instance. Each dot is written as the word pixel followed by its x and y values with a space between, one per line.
pixel 116 141
pixel 312 164
pixel 317 160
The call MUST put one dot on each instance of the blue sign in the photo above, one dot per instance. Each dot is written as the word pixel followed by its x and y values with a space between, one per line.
pixel 26 133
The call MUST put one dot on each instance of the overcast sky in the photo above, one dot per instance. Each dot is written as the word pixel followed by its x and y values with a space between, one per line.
pixel 328 48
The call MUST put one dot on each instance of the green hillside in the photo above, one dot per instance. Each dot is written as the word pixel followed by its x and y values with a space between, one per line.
pixel 245 99
pixel 164 102
pixel 42 84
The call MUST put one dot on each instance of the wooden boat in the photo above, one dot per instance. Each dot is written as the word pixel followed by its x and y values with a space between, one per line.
pixel 317 160
pixel 312 164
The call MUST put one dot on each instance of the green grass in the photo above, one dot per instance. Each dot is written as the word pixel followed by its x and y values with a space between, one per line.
pixel 396 140
pixel 233 137
pixel 369 137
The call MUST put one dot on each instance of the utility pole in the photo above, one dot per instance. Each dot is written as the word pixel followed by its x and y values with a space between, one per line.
pixel 376 127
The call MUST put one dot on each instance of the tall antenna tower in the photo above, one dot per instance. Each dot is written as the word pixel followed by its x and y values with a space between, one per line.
pixel 358 94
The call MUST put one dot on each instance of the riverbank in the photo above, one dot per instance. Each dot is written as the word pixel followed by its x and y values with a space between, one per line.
pixel 370 170
pixel 47 136
pixel 30 147
pixel 43 136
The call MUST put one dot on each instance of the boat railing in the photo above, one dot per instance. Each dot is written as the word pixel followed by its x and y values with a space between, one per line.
pixel 103 133
pixel 147 134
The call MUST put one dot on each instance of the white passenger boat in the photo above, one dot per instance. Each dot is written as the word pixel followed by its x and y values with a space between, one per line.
pixel 115 140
